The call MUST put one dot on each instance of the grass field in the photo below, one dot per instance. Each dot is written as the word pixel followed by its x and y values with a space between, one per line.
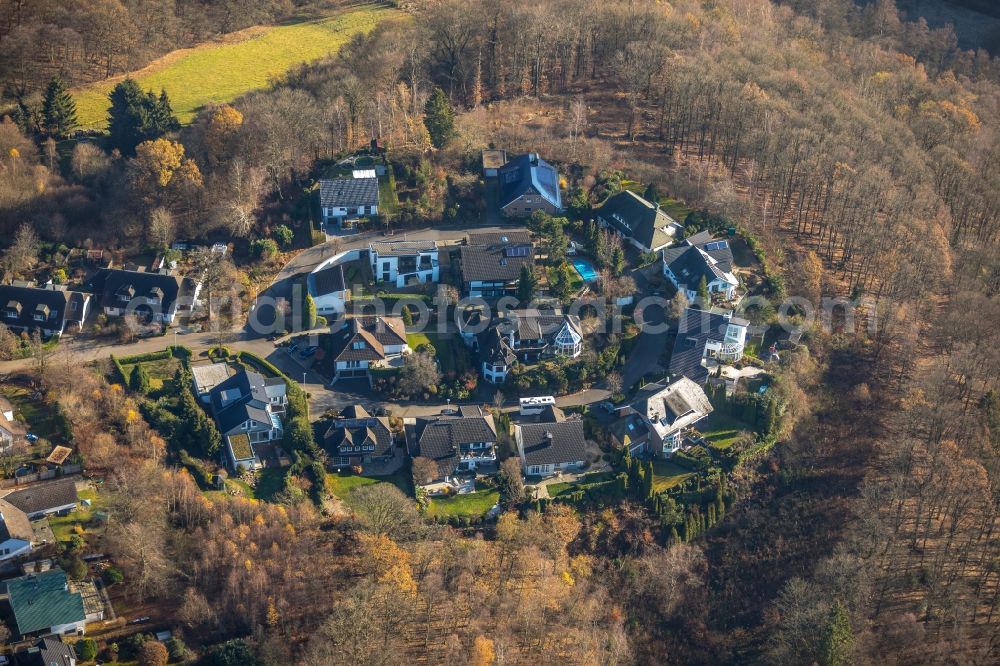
pixel 64 527
pixel 221 71
pixel 667 475
pixel 159 371
pixel 724 431
pixel 342 485
pixel 472 505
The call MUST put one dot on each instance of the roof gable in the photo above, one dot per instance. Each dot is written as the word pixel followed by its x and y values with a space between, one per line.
pixel 526 174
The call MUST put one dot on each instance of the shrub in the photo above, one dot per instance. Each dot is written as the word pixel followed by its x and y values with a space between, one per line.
pixel 177 650
pixel 113 575
pixel 263 248
pixel 283 234
pixel 153 653
pixel 86 649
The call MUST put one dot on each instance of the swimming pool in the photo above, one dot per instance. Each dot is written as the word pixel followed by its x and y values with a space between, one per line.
pixel 585 269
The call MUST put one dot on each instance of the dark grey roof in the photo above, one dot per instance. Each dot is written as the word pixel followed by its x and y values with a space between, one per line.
pixel 250 404
pixel 49 651
pixel 696 328
pixel 441 438
pixel 717 248
pixel 21 304
pixel 529 173
pixel 497 262
pixel 553 443
pixel 635 217
pixel 44 497
pixel 330 280
pixel 403 248
pixel 111 283
pixel 348 192
pixel 357 428
pixel 689 266
pixel 494 349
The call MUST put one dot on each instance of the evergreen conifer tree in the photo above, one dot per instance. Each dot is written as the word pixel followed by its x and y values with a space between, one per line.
pixel 58 109
pixel 439 118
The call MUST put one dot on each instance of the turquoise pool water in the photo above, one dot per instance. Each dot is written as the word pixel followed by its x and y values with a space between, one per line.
pixel 585 269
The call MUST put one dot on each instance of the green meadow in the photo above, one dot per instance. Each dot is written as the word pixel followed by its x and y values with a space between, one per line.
pixel 221 71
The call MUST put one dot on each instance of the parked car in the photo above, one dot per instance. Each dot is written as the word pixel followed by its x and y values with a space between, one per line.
pixel 306 353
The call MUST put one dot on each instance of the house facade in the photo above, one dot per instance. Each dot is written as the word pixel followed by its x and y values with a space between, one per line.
pixel 43 603
pixel 668 411
pixel 44 309
pixel 328 288
pixel 637 221
pixel 367 342
pixel 401 263
pixel 707 338
pixel 529 184
pixel 701 258
pixel 343 200
pixel 158 296
pixel 551 448
pixel 45 498
pixel 248 409
pixel 356 438
pixel 527 336
pixel 10 430
pixel 491 263
pixel 460 444
pixel 16 535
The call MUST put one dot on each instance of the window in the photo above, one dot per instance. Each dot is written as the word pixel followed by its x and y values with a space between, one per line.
pixel 358 345
pixel 692 343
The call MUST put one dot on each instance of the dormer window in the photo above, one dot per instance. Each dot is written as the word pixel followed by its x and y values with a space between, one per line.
pixel 13 309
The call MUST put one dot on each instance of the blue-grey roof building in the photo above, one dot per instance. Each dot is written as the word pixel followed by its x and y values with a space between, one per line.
pixel 528 184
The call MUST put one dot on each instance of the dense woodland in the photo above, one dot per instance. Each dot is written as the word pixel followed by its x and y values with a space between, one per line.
pixel 863 150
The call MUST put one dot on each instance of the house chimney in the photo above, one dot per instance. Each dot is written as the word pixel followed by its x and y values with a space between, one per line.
pixel 548 435
pixel 533 158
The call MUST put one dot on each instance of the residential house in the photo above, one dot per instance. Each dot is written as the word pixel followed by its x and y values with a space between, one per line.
pixel 206 377
pixel 43 603
pixel 402 263
pixel 248 409
pixel 458 444
pixel 367 342
pixel 47 310
pixel 706 338
pixel 631 432
pixel 328 288
pixel 701 258
pixel 10 429
pixel 492 161
pixel 342 200
pixel 45 499
pixel 358 438
pixel 668 411
pixel 552 447
pixel 16 535
pixel 490 263
pixel 527 336
pixel 158 296
pixel 49 651
pixel 638 222
pixel 529 184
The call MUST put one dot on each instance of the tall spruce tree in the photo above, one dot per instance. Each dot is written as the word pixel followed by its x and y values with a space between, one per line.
pixel 526 285
pixel 439 118
pixel 58 110
pixel 837 647
pixel 136 116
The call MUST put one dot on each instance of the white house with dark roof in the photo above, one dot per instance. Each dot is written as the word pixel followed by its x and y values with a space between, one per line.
pixel 345 199
pixel 701 257
pixel 551 448
pixel 16 535
pixel 248 409
pixel 47 310
pixel 160 296
pixel 668 411
pixel 491 263
pixel 527 336
pixel 458 444
pixel 46 498
pixel 529 184
pixel 328 288
pixel 356 437
pixel 405 262
pixel 367 342
pixel 705 338
pixel 639 222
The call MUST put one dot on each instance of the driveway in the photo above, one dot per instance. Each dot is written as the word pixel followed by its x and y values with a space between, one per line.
pixel 645 356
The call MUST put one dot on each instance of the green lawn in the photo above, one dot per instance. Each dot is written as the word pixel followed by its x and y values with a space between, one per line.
pixel 667 475
pixel 417 339
pixel 343 484
pixel 724 431
pixel 451 352
pixel 271 480
pixel 388 203
pixel 63 527
pixel 159 371
pixel 472 505
pixel 674 209
pixel 221 72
